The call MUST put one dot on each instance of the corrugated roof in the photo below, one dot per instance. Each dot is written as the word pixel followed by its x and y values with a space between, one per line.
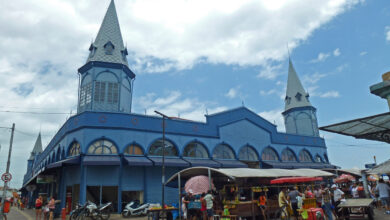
pixel 376 127
pixel 109 32
pixel 383 168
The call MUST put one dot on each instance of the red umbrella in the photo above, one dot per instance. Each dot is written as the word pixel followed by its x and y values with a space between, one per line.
pixel 198 185
pixel 300 179
pixel 344 178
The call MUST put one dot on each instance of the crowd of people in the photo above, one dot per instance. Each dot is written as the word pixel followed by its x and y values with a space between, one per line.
pixel 329 198
pixel 44 208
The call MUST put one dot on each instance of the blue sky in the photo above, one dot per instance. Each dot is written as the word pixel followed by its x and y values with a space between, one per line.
pixel 190 56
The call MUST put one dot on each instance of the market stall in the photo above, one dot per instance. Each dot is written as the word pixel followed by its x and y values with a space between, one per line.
pixel 239 189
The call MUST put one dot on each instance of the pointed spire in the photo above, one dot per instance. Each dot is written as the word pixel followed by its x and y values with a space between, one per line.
pixel 108 45
pixel 296 96
pixel 37 147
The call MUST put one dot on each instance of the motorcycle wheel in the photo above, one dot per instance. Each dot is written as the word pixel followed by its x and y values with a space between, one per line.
pixel 105 214
pixel 73 216
pixel 125 214
pixel 82 216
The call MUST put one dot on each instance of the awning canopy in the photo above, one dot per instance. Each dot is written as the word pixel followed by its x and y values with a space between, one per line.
pixel 295 165
pixel 169 162
pixel 138 161
pixel 299 179
pixel 72 160
pixel 383 168
pixel 232 164
pixel 196 162
pixel 101 160
pixel 376 127
pixel 235 173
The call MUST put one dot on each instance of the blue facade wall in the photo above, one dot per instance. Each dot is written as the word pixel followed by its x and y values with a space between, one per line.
pixel 133 178
pixel 72 175
pixel 102 175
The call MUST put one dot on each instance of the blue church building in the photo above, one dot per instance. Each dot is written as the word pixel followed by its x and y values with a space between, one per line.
pixel 107 153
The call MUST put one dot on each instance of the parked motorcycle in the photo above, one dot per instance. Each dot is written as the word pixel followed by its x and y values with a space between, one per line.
pixel 95 212
pixel 76 212
pixel 135 208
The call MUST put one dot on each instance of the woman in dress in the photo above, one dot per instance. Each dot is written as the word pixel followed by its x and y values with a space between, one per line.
pixel 38 208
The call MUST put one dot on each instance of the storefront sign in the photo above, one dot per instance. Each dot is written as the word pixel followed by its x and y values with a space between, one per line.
pixel 45 179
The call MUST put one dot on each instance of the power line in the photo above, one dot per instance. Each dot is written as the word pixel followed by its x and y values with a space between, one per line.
pixel 43 113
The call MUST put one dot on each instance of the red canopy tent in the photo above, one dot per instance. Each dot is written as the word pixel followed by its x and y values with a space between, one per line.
pixel 344 178
pixel 300 179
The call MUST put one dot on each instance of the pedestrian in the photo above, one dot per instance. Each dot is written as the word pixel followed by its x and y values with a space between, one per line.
pixel 203 205
pixel 308 193
pixel 326 202
pixel 52 206
pixel 38 208
pixel 292 197
pixel 185 200
pixel 354 191
pixel 338 195
pixel 263 203
pixel 283 203
pixel 383 190
pixel 209 204
pixel 318 196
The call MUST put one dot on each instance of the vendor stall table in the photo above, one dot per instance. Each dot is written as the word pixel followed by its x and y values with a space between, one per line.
pixel 157 213
pixel 359 208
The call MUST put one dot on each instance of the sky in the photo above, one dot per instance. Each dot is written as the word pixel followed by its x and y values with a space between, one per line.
pixel 193 57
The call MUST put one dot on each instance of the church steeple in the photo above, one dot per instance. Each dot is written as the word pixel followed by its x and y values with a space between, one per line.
pixel 108 45
pixel 299 115
pixel 37 147
pixel 106 81
pixel 295 94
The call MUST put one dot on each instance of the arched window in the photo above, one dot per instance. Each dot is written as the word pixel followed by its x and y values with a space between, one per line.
pixel 326 158
pixel 102 147
pixel 269 154
pixel 133 149
pixel 318 159
pixel 156 148
pixel 247 153
pixel 223 151
pixel 195 149
pixel 74 149
pixel 288 156
pixel 304 156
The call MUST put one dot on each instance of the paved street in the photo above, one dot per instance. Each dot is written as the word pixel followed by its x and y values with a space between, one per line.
pixel 28 214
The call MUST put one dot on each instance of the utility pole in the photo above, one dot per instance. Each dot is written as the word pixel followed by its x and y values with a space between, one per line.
pixel 7 171
pixel 163 161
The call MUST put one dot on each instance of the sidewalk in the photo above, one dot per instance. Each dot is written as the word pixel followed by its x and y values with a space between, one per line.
pixel 29 214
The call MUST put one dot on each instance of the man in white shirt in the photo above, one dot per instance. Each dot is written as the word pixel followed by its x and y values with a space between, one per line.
pixel 209 204
pixel 338 195
pixel 383 190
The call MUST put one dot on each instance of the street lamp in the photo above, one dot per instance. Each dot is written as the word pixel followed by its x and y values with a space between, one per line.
pixel 163 160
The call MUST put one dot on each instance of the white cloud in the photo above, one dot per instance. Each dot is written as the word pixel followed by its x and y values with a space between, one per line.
pixel 313 91
pixel 270 71
pixel 387 33
pixel 232 93
pixel 313 78
pixel 321 57
pixel 330 94
pixel 363 53
pixel 269 92
pixel 336 52
pixel 275 117
pixel 172 103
